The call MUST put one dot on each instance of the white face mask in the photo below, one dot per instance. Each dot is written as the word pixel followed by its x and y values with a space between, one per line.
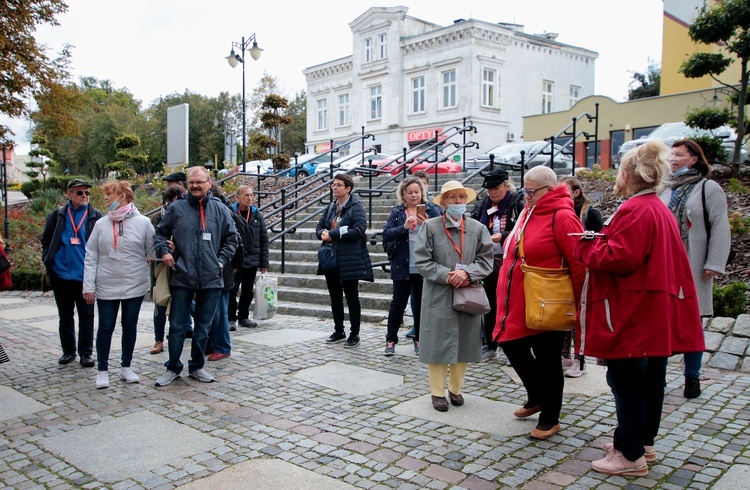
pixel 682 170
pixel 456 210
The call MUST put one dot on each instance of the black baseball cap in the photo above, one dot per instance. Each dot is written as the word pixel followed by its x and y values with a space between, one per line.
pixel 495 178
pixel 175 177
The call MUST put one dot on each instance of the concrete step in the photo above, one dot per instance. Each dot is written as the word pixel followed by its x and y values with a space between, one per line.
pixel 292 282
pixel 375 317
pixel 311 268
pixel 319 296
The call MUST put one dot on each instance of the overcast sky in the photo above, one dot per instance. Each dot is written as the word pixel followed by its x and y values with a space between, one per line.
pixel 158 47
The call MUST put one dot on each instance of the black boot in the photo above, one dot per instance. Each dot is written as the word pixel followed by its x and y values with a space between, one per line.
pixel 692 388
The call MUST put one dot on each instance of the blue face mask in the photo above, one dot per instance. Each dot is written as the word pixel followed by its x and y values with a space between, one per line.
pixel 456 210
pixel 681 171
pixel 115 204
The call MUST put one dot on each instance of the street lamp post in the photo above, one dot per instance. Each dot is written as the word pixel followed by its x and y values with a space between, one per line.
pixel 233 59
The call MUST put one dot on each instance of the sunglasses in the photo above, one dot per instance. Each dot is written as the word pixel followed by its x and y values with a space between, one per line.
pixel 531 192
pixel 82 193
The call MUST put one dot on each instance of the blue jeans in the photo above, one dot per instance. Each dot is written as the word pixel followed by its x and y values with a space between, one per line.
pixel 638 387
pixel 205 307
pixel 218 340
pixel 693 361
pixel 108 309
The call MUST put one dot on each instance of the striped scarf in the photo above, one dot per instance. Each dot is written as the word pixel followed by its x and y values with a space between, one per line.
pixel 681 186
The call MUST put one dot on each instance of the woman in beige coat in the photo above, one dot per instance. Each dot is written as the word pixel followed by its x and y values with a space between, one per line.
pixel 452 251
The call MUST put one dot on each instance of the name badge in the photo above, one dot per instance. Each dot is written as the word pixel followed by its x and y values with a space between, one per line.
pixel 207 236
pixel 492 210
pixel 115 255
pixel 74 240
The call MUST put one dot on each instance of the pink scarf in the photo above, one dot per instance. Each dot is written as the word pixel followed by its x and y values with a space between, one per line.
pixel 120 213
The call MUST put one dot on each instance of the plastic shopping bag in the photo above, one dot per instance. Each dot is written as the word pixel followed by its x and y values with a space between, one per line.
pixel 266 297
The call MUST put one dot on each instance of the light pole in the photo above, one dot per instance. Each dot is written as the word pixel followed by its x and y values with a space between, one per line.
pixel 233 59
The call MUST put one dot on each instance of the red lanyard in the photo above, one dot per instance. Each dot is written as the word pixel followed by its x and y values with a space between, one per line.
pixel 460 251
pixel 203 215
pixel 115 233
pixel 80 223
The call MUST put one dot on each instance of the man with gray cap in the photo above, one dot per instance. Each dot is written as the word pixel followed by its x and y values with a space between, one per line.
pixel 63 252
pixel 498 212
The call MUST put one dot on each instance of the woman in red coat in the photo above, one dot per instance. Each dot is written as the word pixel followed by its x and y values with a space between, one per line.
pixel 545 223
pixel 5 281
pixel 639 307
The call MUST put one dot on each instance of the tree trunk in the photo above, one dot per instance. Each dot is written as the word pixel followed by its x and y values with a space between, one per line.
pixel 736 163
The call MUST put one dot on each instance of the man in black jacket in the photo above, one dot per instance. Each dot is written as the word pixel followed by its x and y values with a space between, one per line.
pixel 205 240
pixel 255 239
pixel 63 252
pixel 498 211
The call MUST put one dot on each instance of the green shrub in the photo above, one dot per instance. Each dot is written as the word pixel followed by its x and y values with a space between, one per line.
pixel 736 186
pixel 730 300
pixel 45 200
pixel 28 188
pixel 26 279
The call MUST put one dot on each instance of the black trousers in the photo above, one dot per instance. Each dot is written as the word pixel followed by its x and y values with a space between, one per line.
pixel 536 359
pixel 69 298
pixel 402 290
pixel 337 290
pixel 490 288
pixel 244 278
pixel 638 388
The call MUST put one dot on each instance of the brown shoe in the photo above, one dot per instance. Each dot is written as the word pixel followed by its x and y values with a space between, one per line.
pixel 545 434
pixel 524 412
pixel 456 400
pixel 157 348
pixel 439 403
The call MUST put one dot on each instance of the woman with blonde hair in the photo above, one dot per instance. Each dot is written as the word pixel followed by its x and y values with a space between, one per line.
pixel 116 273
pixel 641 307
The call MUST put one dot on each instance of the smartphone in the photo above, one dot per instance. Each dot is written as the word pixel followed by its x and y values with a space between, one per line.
pixel 421 210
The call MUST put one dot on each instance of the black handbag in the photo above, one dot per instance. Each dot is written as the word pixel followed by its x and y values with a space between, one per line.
pixel 4 264
pixel 327 257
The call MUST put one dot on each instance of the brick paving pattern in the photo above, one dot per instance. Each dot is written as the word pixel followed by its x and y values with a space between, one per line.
pixel 260 410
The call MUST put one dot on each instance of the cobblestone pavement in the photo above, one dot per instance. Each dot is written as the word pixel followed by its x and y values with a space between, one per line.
pixel 260 410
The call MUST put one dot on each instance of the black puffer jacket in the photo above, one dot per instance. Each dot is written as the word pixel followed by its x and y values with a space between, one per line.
pixel 254 237
pixel 353 257
pixel 197 260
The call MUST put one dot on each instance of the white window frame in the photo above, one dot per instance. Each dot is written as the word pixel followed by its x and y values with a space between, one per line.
pixel 382 46
pixel 322 112
pixel 449 89
pixel 376 102
pixel 344 119
pixel 489 87
pixel 575 94
pixel 368 51
pixel 417 94
pixel 548 90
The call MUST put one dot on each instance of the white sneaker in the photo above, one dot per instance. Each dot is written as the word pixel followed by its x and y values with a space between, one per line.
pixel 202 376
pixel 102 380
pixel 128 375
pixel 567 362
pixel 575 370
pixel 166 378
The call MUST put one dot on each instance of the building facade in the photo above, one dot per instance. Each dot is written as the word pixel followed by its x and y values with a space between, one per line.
pixel 407 78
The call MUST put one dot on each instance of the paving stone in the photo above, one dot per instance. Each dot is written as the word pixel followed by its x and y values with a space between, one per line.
pixel 713 340
pixel 720 324
pixel 734 345
pixel 742 326
pixel 722 360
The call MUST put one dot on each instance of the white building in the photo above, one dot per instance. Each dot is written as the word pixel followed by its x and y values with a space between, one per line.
pixel 407 77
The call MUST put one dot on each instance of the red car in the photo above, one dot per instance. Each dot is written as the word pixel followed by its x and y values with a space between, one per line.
pixel 444 166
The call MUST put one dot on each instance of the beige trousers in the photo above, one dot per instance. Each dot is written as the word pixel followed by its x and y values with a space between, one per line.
pixel 437 374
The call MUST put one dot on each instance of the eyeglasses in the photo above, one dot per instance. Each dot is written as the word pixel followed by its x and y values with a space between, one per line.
pixel 83 193
pixel 530 192
pixel 338 185
pixel 196 182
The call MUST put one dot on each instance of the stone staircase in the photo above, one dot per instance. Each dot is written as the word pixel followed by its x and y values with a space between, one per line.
pixel 301 292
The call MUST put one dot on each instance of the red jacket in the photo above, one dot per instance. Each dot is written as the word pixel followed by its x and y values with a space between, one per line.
pixel 641 299
pixel 541 249
pixel 5 281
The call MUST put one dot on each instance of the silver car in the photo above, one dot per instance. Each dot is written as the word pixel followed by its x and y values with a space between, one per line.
pixel 508 156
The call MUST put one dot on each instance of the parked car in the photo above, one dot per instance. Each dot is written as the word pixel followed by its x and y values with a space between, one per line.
pixel 508 156
pixel 670 132
pixel 349 162
pixel 309 161
pixel 394 163
pixel 266 166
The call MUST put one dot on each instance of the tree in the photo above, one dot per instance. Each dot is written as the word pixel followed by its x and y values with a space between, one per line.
pixel 272 120
pixel 130 158
pixel 725 23
pixel 26 69
pixel 40 152
pixel 648 84
pixel 267 85
pixel 294 136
